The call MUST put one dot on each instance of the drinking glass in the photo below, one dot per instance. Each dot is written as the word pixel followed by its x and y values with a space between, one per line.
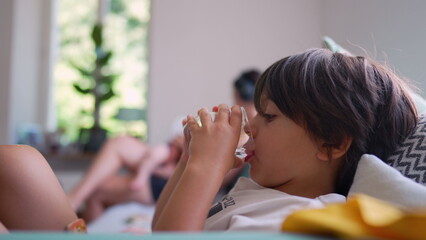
pixel 240 152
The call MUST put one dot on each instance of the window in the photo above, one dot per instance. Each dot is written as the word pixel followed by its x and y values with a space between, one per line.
pixel 125 28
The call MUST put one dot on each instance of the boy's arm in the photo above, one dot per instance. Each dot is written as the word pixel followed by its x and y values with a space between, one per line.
pixel 168 189
pixel 190 200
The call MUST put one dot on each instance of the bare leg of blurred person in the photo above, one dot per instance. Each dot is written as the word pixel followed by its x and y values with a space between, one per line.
pixel 3 228
pixel 31 197
pixel 114 190
pixel 119 152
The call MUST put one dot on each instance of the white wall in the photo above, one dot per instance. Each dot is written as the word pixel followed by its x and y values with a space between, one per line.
pixel 25 69
pixel 389 30
pixel 25 83
pixel 198 47
pixel 6 19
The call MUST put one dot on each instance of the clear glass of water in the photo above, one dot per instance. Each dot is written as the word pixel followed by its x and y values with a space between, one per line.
pixel 240 152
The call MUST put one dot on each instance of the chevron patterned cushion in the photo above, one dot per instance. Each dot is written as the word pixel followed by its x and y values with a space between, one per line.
pixel 410 156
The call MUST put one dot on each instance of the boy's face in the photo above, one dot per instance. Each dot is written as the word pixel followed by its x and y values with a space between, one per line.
pixel 285 155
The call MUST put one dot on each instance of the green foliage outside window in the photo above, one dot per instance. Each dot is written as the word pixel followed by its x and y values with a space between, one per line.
pixel 125 34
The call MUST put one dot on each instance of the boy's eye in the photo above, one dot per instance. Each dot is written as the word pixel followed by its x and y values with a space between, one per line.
pixel 268 117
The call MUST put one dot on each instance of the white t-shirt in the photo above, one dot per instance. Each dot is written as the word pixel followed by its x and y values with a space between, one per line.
pixel 249 206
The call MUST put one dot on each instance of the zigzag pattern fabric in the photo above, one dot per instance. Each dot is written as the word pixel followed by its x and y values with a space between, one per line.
pixel 410 156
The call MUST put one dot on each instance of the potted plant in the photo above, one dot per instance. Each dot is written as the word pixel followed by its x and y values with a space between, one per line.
pixel 99 85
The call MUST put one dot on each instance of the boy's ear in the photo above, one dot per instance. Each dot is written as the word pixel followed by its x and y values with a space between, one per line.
pixel 327 151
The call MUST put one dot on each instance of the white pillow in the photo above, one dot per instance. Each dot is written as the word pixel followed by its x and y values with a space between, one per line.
pixel 377 179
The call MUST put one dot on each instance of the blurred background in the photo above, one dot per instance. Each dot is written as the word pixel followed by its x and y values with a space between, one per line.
pixel 74 72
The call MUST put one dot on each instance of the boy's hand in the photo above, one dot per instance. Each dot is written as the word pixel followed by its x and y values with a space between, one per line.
pixel 213 144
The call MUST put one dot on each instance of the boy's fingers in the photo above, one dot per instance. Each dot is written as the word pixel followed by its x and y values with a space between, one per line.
pixel 191 122
pixel 223 113
pixel 204 116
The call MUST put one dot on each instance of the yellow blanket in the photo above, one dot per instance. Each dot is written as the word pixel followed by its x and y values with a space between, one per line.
pixel 360 217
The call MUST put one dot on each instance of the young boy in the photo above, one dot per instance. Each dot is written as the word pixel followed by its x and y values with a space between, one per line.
pixel 318 112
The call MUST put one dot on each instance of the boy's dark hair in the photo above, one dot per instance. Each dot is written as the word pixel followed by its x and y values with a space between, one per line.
pixel 245 84
pixel 335 96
